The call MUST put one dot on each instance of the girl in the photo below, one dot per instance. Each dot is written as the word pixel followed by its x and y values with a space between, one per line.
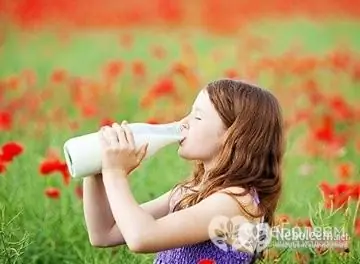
pixel 234 134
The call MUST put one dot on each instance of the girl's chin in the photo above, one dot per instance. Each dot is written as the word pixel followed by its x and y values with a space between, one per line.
pixel 184 155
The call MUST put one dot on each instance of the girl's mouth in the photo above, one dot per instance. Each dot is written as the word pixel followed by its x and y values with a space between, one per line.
pixel 181 141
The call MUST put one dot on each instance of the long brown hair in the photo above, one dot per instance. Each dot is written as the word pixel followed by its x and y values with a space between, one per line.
pixel 252 152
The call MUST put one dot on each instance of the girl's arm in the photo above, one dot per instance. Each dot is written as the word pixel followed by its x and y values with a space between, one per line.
pixel 101 226
pixel 145 234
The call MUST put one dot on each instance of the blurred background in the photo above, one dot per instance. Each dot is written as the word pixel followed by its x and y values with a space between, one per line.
pixel 69 67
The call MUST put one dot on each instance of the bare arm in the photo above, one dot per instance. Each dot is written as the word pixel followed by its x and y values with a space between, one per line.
pixel 143 233
pixel 100 223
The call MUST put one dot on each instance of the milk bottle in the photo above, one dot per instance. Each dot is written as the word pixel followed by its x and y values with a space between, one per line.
pixel 83 153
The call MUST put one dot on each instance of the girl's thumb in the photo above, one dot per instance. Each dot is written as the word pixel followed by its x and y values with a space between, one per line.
pixel 142 152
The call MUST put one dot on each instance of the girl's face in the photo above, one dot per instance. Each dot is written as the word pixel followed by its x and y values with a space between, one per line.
pixel 203 131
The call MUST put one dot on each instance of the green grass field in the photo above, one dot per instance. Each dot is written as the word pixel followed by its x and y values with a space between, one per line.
pixel 37 229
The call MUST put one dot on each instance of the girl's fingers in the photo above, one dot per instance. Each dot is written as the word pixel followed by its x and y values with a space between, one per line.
pixel 102 138
pixel 129 134
pixel 142 152
pixel 120 134
pixel 111 136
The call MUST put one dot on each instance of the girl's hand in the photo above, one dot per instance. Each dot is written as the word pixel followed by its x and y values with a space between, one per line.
pixel 118 145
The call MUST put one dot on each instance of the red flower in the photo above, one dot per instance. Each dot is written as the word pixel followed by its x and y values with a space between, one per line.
pixel 158 52
pixel 79 191
pixel 138 69
pixel 52 192
pixel 207 261
pixel 179 68
pixel 344 170
pixel 282 219
pixel 356 71
pixel 55 165
pixel 106 122
pixel 303 222
pixel 339 59
pixel 355 192
pixel 339 194
pixel 113 69
pixel 165 86
pixel 13 82
pixel 5 121
pixel 357 227
pixel 89 110
pixel 2 167
pixel 341 108
pixel 325 133
pixel 126 40
pixel 231 73
pixel 65 174
pixel 10 150
pixel 58 76
pixel 50 166
pixel 152 121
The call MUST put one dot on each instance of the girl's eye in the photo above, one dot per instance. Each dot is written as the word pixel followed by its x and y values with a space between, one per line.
pixel 197 118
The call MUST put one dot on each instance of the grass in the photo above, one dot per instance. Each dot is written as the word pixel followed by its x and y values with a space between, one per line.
pixel 36 229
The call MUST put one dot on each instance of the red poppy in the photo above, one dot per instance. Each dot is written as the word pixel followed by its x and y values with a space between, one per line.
pixel 282 219
pixel 313 93
pixel 158 52
pixel 29 76
pixel 303 65
pixel 207 261
pixel 52 192
pixel 344 170
pixel 89 110
pixel 325 133
pixel 5 120
pixel 79 191
pixel 231 73
pixel 138 69
pixel 341 109
pixel 50 166
pixel 113 69
pixel 11 150
pixel 106 122
pixel 152 121
pixel 2 167
pixel 126 41
pixel 355 192
pixel 339 59
pixel 356 72
pixel 55 165
pixel 13 82
pixel 302 115
pixel 357 227
pixel 303 222
pixel 146 101
pixel 339 194
pixel 73 125
pixel 164 86
pixel 65 174
pixel 58 76
pixel 179 68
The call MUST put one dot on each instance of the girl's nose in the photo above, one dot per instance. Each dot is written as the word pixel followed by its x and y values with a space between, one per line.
pixel 184 126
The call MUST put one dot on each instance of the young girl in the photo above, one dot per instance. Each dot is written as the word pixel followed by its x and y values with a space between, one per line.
pixel 234 134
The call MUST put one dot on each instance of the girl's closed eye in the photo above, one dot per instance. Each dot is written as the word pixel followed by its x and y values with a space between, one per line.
pixel 197 118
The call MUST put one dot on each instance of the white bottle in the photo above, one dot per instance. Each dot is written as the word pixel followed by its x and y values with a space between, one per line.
pixel 83 153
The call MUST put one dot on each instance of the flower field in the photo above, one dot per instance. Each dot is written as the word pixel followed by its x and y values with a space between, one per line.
pixel 58 84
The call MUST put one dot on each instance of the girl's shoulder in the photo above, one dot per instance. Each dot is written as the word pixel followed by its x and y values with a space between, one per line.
pixel 249 201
